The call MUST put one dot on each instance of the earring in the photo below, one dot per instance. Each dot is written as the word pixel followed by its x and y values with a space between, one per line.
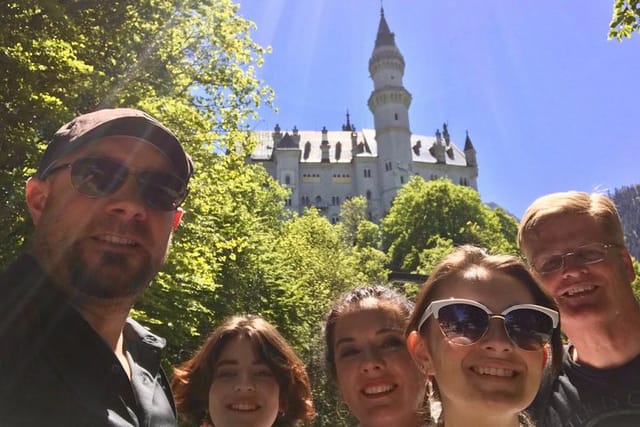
pixel 342 410
pixel 206 420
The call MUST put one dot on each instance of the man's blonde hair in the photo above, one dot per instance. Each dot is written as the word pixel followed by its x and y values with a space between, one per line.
pixel 571 203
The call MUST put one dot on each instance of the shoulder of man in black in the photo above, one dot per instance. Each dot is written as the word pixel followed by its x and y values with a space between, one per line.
pixel 29 305
pixel 58 371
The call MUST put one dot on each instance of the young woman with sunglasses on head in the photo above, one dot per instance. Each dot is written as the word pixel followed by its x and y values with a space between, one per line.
pixel 482 330
pixel 367 357
pixel 244 375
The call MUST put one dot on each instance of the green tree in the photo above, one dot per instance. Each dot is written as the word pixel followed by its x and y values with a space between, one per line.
pixel 361 239
pixel 352 213
pixel 625 19
pixel 423 210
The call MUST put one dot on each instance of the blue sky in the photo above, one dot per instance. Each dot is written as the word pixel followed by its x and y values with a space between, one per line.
pixel 550 104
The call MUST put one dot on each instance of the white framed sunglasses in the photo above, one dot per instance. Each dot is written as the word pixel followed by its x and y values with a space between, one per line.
pixel 465 322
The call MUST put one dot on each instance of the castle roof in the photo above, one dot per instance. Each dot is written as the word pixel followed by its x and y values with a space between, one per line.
pixel 309 147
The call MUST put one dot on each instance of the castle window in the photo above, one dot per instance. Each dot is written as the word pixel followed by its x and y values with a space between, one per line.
pixel 307 150
pixel 368 194
pixel 335 200
pixel 395 115
pixel 464 181
pixel 367 173
pixel 401 179
pixel 287 180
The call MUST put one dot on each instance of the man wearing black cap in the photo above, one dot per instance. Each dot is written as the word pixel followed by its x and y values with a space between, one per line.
pixel 105 201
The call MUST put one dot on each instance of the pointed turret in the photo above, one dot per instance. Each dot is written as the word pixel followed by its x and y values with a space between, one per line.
pixel 384 36
pixel 348 126
pixel 386 57
pixel 470 152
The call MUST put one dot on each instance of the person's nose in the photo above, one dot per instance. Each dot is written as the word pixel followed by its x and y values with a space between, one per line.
pixel 572 266
pixel 245 383
pixel 127 203
pixel 372 360
pixel 496 338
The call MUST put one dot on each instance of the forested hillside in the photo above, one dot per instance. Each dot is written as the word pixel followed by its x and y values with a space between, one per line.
pixel 627 201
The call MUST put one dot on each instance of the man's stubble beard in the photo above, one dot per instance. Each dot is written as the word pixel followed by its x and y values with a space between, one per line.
pixel 110 277
pixel 94 281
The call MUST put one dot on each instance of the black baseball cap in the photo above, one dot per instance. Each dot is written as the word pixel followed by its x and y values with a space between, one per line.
pixel 116 122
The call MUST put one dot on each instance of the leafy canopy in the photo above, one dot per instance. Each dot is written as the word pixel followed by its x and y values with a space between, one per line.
pixel 625 19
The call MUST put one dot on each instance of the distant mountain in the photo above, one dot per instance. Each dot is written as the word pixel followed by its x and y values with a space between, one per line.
pixel 494 206
pixel 627 200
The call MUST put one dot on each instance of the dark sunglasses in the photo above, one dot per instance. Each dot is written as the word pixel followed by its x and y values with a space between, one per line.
pixel 102 176
pixel 465 322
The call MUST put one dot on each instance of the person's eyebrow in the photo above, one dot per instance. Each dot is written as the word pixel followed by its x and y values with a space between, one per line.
pixel 381 331
pixel 344 340
pixel 389 329
pixel 226 362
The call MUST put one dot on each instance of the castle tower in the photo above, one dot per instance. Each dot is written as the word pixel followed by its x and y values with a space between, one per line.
pixel 472 163
pixel 389 102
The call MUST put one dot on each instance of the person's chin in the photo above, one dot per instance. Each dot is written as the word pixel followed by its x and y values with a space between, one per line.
pixel 109 281
pixel 385 414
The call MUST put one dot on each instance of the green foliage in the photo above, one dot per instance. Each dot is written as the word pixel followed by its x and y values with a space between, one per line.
pixel 625 19
pixel 423 210
pixel 437 248
pixel 352 213
pixel 367 235
pixel 635 285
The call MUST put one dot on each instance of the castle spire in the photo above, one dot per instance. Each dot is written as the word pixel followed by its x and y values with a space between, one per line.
pixel 384 37
pixel 348 126
pixel 467 143
pixel 470 154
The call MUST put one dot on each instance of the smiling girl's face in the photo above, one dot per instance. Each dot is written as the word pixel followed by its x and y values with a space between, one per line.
pixel 244 391
pixel 492 374
pixel 376 376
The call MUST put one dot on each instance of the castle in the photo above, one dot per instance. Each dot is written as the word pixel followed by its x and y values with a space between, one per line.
pixel 324 168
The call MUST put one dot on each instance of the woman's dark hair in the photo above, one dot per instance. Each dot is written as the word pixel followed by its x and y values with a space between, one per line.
pixel 192 379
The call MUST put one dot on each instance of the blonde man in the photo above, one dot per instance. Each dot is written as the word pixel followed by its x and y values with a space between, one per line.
pixel 574 245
